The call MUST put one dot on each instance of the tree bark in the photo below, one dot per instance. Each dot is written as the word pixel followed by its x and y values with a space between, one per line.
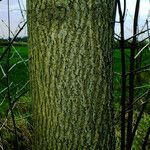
pixel 71 74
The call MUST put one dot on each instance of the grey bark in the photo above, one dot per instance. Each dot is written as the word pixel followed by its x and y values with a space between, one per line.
pixel 71 74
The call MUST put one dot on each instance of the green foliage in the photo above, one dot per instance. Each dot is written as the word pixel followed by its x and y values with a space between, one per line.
pixel 18 75
pixel 139 90
pixel 141 132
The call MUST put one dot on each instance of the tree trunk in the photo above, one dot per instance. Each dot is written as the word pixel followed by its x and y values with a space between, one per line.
pixel 71 75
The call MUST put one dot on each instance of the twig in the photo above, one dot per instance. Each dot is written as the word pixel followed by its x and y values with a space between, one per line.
pixel 19 55
pixel 144 39
pixel 147 24
pixel 19 62
pixel 135 101
pixel 123 89
pixel 138 70
pixel 137 34
pixel 141 50
pixel 140 87
pixel 16 144
pixel 139 117
pixel 21 9
pixel 146 139
pixel 131 78
pixel 4 74
pixel 11 42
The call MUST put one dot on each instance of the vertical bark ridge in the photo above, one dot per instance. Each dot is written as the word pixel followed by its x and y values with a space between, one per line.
pixel 71 71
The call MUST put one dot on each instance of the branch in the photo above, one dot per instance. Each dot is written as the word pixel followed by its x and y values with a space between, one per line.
pixel 131 78
pixel 138 70
pixel 139 117
pixel 141 50
pixel 146 139
pixel 123 63
pixel 137 34
pixel 11 42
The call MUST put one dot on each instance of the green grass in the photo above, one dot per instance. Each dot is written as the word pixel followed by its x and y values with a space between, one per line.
pixel 20 72
pixel 117 69
pixel 142 87
pixel 117 60
pixel 18 76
